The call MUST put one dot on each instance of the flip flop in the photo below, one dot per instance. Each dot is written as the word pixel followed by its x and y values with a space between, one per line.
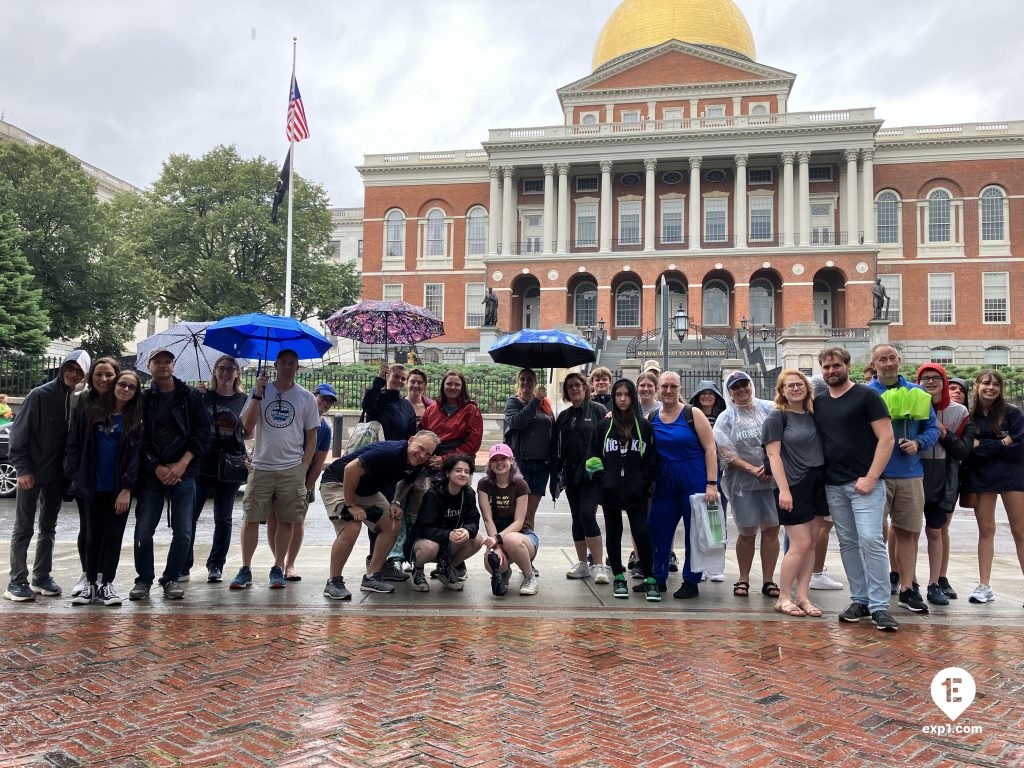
pixel 293 577
pixel 741 589
pixel 790 609
pixel 809 608
pixel 770 589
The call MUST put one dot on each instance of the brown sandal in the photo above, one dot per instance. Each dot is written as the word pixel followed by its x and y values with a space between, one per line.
pixel 741 589
pixel 770 589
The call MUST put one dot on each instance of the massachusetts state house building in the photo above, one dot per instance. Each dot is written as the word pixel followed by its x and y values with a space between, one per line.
pixel 678 157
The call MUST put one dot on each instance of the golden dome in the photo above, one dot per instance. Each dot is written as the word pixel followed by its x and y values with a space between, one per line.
pixel 638 24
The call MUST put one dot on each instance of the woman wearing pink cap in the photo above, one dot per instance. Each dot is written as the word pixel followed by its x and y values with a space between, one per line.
pixel 502 497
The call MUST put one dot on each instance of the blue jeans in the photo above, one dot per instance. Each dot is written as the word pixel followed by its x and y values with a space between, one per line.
pixel 148 512
pixel 224 495
pixel 858 523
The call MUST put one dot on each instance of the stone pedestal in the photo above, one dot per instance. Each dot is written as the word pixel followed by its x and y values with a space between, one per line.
pixel 728 365
pixel 878 332
pixel 799 346
pixel 489 334
pixel 630 368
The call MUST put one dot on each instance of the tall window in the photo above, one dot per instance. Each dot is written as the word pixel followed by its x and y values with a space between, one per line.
pixel 997 356
pixel 940 298
pixel 629 222
pixel 585 305
pixel 433 298
pixel 716 303
pixel 760 218
pixel 435 233
pixel 715 219
pixel 394 234
pixel 938 216
pixel 887 217
pixel 474 305
pixel 476 231
pixel 392 292
pixel 586 225
pixel 671 221
pixel 627 306
pixel 992 224
pixel 762 303
pixel 893 285
pixel 995 297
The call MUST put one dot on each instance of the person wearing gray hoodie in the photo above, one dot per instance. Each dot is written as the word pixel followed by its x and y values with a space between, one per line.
pixel 38 440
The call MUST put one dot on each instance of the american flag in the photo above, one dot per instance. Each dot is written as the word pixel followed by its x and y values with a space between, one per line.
pixel 297 129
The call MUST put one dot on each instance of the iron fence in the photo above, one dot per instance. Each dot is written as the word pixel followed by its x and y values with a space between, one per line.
pixel 20 374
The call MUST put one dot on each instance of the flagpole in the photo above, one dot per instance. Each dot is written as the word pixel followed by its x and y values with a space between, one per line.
pixel 291 177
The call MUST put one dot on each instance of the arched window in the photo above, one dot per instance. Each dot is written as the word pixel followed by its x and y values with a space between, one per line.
pixel 627 306
pixel 394 234
pixel 435 233
pixel 759 109
pixel 589 119
pixel 992 222
pixel 997 356
pixel 476 231
pixel 887 217
pixel 716 303
pixel 938 217
pixel 762 303
pixel 585 305
pixel 942 355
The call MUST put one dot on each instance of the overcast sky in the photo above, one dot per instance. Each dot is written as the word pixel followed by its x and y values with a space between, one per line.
pixel 123 84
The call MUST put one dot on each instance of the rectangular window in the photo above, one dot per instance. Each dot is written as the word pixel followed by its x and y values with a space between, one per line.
pixel 393 292
pixel 629 222
pixel 820 173
pixel 533 186
pixel 760 175
pixel 893 285
pixel 586 225
pixel 474 305
pixel 940 298
pixel 714 110
pixel 672 114
pixel 476 233
pixel 335 249
pixel 888 221
pixel 671 221
pixel 631 116
pixel 359 249
pixel 992 215
pixel 995 297
pixel 760 218
pixel 587 183
pixel 433 298
pixel 716 225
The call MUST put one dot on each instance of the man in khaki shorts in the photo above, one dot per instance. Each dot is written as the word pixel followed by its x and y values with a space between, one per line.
pixel 352 491
pixel 286 421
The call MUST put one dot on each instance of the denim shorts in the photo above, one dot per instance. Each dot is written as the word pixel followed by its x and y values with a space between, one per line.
pixel 532 536
pixel 536 474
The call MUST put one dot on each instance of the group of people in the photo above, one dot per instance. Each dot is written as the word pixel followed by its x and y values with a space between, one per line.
pixel 880 461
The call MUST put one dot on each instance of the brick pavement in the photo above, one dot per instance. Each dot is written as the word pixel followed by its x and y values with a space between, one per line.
pixel 427 687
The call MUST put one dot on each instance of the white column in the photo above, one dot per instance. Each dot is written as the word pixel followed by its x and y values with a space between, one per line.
pixel 868 205
pixel 563 208
pixel 651 107
pixel 694 211
pixel 693 109
pixel 568 115
pixel 851 195
pixel 804 159
pixel 606 206
pixel 788 219
pixel 737 106
pixel 609 113
pixel 549 207
pixel 739 211
pixel 650 164
pixel 494 211
pixel 508 212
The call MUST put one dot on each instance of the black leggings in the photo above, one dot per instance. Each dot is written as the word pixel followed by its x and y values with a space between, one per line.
pixel 583 508
pixel 104 533
pixel 636 511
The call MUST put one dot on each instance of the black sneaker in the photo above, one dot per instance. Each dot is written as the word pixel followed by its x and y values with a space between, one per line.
pixel 373 583
pixel 946 588
pixel 884 622
pixel 460 572
pixel 619 588
pixel 687 590
pixel 84 596
pixel 46 586
pixel 662 586
pixel 498 585
pixel 673 563
pixel 653 594
pixel 19 592
pixel 912 601
pixel 443 572
pixel 936 595
pixel 855 613
pixel 590 558
pixel 392 571
pixel 633 561
pixel 894 583
pixel 140 591
pixel 637 573
pixel 335 589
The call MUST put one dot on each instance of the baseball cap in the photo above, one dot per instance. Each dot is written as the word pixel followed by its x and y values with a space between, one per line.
pixel 500 450
pixel 326 390
pixel 735 378
pixel 159 351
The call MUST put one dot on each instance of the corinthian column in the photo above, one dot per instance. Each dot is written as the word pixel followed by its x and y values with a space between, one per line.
pixel 549 206
pixel 606 206
pixel 868 205
pixel 694 212
pixel 494 211
pixel 804 158
pixel 650 164
pixel 508 212
pixel 739 213
pixel 563 208
pixel 788 219
pixel 850 156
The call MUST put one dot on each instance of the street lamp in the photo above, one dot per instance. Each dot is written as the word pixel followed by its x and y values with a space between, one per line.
pixel 743 327
pixel 599 336
pixel 681 323
pixel 588 333
pixel 764 332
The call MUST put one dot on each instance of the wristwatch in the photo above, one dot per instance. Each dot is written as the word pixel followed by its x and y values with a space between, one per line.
pixel 712 482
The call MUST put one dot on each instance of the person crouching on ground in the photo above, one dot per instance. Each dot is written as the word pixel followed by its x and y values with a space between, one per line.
pixel 502 495
pixel 448 525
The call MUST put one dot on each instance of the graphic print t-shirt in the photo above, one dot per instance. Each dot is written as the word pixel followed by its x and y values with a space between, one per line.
pixel 503 502
pixel 281 426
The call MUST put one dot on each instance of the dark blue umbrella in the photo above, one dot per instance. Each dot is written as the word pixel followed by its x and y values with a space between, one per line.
pixel 263 336
pixel 542 349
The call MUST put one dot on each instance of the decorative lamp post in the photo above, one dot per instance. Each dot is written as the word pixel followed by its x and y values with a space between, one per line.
pixel 681 324
pixel 588 333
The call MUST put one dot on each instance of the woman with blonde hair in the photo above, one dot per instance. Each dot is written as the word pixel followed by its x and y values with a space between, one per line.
pixel 796 456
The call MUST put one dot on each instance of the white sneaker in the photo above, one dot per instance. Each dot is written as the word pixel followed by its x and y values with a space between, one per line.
pixel 982 594
pixel 824 581
pixel 579 571
pixel 718 577
pixel 530 585
pixel 600 574
pixel 79 586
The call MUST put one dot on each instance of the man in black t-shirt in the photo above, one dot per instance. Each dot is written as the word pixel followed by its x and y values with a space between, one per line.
pixel 352 491
pixel 857 437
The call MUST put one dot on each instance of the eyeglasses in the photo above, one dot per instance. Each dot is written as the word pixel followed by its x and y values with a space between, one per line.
pixel 794 385
pixel 930 379
pixel 127 386
pixel 226 368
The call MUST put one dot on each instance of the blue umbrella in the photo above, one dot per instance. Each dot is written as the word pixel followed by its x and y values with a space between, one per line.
pixel 263 336
pixel 542 349
pixel 193 360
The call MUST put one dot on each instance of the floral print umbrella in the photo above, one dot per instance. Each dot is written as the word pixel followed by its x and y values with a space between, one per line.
pixel 383 322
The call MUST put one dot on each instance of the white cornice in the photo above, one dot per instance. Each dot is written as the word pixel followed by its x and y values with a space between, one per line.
pixel 682 91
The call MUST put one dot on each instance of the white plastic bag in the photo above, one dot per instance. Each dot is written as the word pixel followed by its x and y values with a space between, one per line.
pixel 707 540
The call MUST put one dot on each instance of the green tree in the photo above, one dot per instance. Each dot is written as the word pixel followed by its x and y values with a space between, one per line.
pixel 22 320
pixel 209 235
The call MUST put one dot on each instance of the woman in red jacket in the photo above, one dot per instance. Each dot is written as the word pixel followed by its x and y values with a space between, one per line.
pixel 455 419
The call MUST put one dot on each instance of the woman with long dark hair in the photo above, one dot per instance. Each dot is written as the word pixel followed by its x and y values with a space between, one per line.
pixel 417 386
pixel 102 464
pixel 995 468
pixel 624 444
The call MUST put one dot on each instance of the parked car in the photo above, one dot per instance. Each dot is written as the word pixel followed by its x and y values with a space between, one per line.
pixel 8 474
